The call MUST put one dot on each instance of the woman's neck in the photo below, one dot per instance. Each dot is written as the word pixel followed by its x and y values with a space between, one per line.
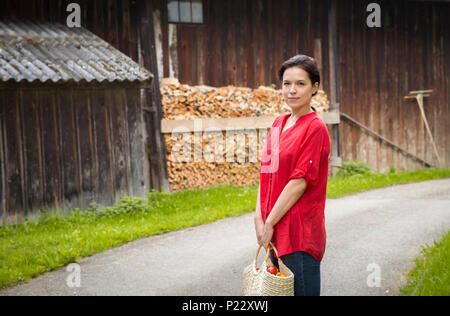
pixel 302 111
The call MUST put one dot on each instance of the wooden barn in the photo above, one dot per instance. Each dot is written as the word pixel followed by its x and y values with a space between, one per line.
pixel 72 123
pixel 366 72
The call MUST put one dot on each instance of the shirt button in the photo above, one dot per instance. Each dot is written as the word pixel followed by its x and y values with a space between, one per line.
pixel 310 161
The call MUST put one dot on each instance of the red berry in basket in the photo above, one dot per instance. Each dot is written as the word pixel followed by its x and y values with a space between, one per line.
pixel 272 270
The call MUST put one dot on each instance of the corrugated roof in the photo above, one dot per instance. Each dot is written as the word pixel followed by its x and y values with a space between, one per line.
pixel 47 52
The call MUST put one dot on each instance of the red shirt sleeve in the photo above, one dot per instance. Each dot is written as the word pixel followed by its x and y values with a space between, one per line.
pixel 309 156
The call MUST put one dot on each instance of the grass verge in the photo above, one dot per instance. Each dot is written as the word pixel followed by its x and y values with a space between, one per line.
pixel 345 185
pixel 431 275
pixel 54 240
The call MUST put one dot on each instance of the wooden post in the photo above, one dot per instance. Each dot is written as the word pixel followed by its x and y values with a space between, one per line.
pixel 318 56
pixel 334 78
pixel 148 52
pixel 2 171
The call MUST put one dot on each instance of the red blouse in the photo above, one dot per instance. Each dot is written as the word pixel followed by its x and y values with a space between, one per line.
pixel 302 151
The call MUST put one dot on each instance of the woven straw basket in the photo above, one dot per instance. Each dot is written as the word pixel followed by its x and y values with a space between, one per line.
pixel 262 283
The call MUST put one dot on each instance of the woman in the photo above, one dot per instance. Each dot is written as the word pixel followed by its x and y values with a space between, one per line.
pixel 294 173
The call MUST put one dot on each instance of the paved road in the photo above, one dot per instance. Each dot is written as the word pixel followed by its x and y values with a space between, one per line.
pixel 373 234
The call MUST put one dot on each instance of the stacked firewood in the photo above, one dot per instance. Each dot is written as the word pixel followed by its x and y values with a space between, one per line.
pixel 196 161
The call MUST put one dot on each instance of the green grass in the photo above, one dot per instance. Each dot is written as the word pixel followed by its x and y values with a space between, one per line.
pixel 54 240
pixel 366 180
pixel 431 275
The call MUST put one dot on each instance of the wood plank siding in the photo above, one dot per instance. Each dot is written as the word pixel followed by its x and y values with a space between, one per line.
pixel 125 24
pixel 379 66
pixel 70 147
pixel 243 42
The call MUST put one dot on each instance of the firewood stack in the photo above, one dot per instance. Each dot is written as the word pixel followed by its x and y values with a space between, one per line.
pixel 202 160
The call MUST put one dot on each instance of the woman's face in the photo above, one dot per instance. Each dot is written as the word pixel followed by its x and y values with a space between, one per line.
pixel 297 88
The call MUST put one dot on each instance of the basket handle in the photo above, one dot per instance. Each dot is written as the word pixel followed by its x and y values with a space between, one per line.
pixel 271 245
pixel 282 267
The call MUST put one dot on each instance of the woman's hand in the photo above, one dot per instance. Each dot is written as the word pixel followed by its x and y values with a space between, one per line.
pixel 267 235
pixel 259 228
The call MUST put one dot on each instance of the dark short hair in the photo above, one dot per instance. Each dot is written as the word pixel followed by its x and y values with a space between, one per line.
pixel 304 62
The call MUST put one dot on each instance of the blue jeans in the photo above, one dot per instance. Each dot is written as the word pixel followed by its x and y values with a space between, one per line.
pixel 306 271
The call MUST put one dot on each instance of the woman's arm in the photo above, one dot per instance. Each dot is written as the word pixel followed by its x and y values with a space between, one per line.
pixel 259 224
pixel 290 195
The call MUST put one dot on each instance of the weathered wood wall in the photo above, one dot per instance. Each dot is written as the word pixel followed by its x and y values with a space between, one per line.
pixel 379 66
pixel 64 148
pixel 128 26
pixel 243 42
